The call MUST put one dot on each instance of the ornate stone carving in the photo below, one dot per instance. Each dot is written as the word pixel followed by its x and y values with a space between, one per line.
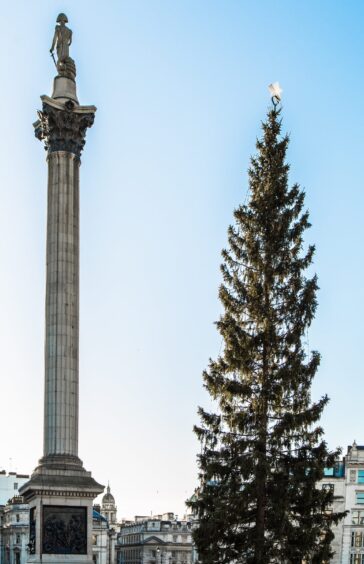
pixel 63 130
pixel 32 531
pixel 64 530
pixel 67 68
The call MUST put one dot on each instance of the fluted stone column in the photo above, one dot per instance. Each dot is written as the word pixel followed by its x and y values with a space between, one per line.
pixel 62 313
pixel 62 128
pixel 60 491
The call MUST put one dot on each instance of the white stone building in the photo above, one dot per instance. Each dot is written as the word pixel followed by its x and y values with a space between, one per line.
pixel 100 538
pixel 104 533
pixel 161 539
pixel 10 484
pixel 108 507
pixel 347 482
pixel 14 531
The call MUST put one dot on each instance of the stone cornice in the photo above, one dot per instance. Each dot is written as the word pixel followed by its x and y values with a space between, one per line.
pixel 63 493
pixel 61 106
pixel 63 127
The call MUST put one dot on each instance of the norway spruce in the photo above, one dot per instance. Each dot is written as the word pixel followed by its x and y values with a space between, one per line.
pixel 263 450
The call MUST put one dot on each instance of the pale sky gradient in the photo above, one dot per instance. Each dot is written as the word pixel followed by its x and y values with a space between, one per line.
pixel 181 87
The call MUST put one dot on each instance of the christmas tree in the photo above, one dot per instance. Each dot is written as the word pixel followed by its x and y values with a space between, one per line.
pixel 263 450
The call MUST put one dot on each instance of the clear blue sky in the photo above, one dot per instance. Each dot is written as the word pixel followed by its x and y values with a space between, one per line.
pixel 181 88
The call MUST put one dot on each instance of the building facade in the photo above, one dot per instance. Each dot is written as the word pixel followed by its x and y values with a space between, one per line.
pixel 155 540
pixel 108 507
pixel 100 538
pixel 14 531
pixel 104 534
pixel 10 484
pixel 346 481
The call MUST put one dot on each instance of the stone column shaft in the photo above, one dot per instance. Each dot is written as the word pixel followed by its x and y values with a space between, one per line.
pixel 62 306
pixel 62 127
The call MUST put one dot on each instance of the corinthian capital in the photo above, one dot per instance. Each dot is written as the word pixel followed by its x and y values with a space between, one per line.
pixel 63 128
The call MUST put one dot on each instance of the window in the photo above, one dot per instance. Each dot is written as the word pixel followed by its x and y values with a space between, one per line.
pixel 175 538
pixel 15 485
pixel 17 557
pixel 357 518
pixel 330 487
pixel 356 558
pixel 360 476
pixel 357 539
pixel 17 539
pixel 359 497
pixel 17 517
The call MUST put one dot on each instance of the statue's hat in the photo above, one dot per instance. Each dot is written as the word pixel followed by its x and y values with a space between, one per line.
pixel 62 18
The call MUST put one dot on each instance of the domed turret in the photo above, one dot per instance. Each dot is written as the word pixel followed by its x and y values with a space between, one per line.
pixel 108 497
pixel 108 507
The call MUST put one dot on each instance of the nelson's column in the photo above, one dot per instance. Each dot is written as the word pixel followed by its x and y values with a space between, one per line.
pixel 60 491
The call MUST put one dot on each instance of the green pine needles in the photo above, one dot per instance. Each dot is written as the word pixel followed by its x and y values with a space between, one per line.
pixel 263 452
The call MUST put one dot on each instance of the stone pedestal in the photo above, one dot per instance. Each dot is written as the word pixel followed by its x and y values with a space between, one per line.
pixel 61 505
pixel 64 89
pixel 61 492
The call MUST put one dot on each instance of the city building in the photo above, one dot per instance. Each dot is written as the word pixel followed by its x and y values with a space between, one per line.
pixel 108 507
pixel 161 539
pixel 100 538
pixel 104 532
pixel 14 531
pixel 334 480
pixel 10 484
pixel 346 480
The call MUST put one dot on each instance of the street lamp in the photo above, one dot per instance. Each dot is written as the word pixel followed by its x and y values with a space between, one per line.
pixel 276 93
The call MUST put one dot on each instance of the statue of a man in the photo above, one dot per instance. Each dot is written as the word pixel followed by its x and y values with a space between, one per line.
pixel 62 40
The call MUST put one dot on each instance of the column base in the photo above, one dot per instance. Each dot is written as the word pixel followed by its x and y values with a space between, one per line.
pixel 61 474
pixel 60 495
pixel 59 559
